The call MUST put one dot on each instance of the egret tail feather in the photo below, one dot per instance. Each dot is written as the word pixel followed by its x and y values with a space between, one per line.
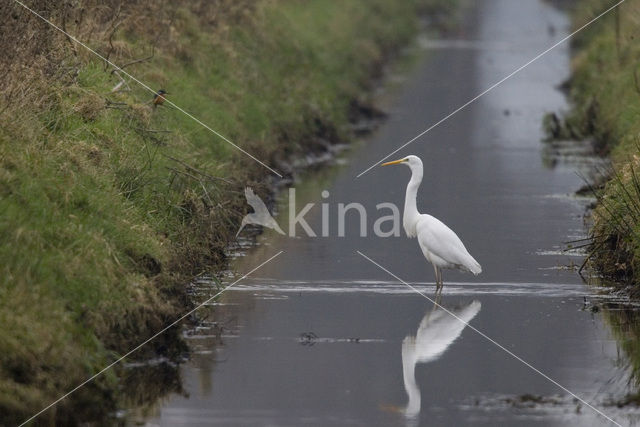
pixel 474 266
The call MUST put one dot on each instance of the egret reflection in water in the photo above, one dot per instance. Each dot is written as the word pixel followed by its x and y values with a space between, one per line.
pixel 436 332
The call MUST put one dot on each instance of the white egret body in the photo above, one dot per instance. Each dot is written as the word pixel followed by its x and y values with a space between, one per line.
pixel 440 245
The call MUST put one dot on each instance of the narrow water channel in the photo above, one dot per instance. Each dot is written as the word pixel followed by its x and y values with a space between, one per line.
pixel 320 336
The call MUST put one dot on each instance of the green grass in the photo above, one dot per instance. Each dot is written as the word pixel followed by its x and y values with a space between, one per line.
pixel 108 206
pixel 606 95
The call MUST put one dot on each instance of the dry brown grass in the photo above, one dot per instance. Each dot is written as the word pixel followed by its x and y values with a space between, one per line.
pixel 36 54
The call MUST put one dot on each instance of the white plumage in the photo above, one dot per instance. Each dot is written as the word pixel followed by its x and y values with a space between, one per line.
pixel 440 245
pixel 437 331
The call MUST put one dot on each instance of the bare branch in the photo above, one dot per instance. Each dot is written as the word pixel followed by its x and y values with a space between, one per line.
pixel 111 47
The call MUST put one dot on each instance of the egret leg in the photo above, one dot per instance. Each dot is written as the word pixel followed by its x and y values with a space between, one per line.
pixel 435 269
pixel 439 274
pixel 438 299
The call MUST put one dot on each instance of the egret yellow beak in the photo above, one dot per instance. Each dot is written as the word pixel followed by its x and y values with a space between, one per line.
pixel 395 162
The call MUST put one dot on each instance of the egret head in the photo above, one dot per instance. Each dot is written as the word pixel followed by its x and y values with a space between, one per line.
pixel 412 161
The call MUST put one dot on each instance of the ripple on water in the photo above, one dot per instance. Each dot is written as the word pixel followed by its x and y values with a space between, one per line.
pixel 274 289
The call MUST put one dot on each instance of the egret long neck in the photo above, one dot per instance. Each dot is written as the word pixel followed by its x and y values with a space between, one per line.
pixel 409 377
pixel 411 213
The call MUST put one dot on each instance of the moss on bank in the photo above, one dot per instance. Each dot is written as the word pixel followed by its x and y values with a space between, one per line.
pixel 605 90
pixel 108 206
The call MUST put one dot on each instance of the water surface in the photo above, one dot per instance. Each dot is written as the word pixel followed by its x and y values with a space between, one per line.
pixel 321 336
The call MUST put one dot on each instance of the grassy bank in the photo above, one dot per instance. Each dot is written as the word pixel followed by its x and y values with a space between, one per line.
pixel 108 205
pixel 605 90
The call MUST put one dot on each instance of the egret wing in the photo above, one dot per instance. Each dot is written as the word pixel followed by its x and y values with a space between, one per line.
pixel 441 241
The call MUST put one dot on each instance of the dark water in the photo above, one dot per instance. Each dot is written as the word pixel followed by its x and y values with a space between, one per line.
pixel 321 336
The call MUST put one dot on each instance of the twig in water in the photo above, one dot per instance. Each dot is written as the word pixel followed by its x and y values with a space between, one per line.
pixel 308 338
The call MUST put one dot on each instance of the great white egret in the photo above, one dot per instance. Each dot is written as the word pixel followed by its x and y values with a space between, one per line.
pixel 440 245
